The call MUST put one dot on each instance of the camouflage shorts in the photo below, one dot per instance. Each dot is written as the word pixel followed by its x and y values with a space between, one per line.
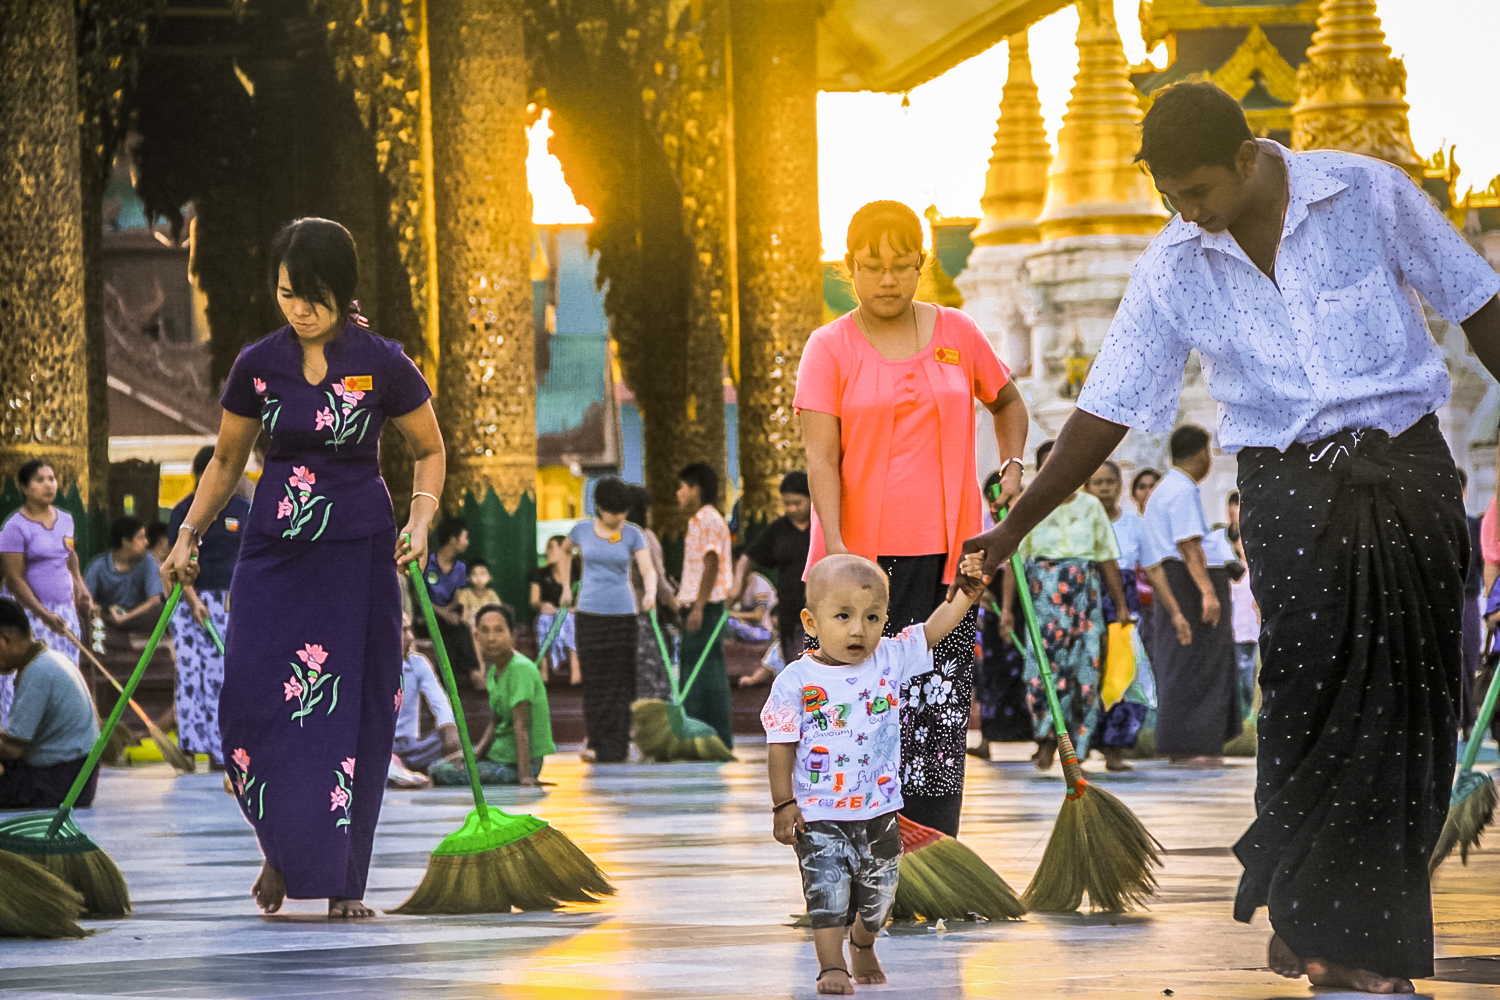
pixel 850 867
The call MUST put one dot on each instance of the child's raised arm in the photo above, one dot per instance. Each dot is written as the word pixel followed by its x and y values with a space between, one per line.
pixel 948 614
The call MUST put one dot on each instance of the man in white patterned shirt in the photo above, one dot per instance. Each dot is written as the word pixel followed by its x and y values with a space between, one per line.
pixel 1296 276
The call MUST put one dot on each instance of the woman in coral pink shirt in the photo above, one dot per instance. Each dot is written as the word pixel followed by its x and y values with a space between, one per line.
pixel 886 397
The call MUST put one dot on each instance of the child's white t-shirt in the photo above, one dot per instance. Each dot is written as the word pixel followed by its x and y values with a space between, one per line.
pixel 848 722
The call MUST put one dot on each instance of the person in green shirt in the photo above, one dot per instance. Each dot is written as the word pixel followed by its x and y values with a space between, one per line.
pixel 519 735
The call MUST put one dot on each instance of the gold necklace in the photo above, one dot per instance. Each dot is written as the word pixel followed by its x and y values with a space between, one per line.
pixel 916 331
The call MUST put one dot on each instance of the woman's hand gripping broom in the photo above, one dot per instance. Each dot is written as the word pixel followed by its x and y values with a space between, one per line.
pixel 496 861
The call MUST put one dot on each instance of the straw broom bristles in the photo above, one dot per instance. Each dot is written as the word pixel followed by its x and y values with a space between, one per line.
pixel 95 875
pixel 1467 817
pixel 34 903
pixel 539 872
pixel 651 729
pixel 942 879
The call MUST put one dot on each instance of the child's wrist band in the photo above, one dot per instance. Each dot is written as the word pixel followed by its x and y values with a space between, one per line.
pixel 782 805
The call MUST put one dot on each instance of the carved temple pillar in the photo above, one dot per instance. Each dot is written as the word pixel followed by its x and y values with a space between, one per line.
pixel 774 53
pixel 44 380
pixel 486 398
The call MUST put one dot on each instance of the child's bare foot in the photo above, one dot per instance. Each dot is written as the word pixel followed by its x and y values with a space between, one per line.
pixel 348 908
pixel 864 965
pixel 1283 960
pixel 835 982
pixel 269 890
pixel 1321 972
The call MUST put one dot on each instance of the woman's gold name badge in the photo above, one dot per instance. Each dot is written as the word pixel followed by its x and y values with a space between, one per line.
pixel 947 355
pixel 359 383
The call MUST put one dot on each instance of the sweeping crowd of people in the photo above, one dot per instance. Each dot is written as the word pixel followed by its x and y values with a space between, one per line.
pixel 1339 623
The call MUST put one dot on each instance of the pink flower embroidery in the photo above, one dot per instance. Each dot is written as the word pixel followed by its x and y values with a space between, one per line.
pixel 313 655
pixel 260 386
pixel 352 398
pixel 302 479
pixel 400 697
pixel 241 759
pixel 340 799
pixel 338 388
pixel 348 766
pixel 293 689
pixel 325 419
pixel 283 509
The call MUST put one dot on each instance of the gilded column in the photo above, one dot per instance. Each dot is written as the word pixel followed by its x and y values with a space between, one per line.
pixel 487 387
pixel 1351 91
pixel 774 54
pixel 44 379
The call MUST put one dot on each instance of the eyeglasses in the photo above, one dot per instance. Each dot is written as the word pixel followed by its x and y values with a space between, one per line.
pixel 900 272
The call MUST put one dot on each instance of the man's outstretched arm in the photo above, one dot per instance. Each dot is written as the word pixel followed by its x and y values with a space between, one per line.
pixel 1483 331
pixel 1082 446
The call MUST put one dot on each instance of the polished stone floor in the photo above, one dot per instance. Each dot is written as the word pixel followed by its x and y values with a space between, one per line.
pixel 705 902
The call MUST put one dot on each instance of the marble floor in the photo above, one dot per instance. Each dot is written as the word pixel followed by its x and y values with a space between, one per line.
pixel 705 902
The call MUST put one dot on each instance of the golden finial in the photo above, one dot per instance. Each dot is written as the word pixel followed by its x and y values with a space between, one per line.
pixel 1015 188
pixel 1094 186
pixel 1351 91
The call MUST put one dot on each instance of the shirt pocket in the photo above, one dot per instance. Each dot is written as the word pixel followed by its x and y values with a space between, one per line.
pixel 1360 328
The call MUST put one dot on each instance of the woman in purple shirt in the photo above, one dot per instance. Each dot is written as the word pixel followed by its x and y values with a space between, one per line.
pixel 41 568
pixel 312 668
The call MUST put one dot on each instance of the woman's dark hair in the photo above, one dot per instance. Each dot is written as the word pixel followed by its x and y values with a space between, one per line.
pixel 320 262
pixel 123 529
pixel 473 564
pixel 703 476
pixel 155 532
pixel 502 609
pixel 1192 125
pixel 1135 481
pixel 26 473
pixel 450 528
pixel 13 617
pixel 795 482
pixel 556 539
pixel 1109 464
pixel 612 495
pixel 1042 451
pixel 1187 441
pixel 201 460
pixel 640 505
pixel 889 219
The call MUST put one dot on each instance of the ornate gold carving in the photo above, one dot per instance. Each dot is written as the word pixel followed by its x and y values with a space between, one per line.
pixel 1163 18
pixel 1352 91
pixel 44 378
pixel 1015 188
pixel 781 292
pixel 488 401
pixel 1257 54
pixel 1094 186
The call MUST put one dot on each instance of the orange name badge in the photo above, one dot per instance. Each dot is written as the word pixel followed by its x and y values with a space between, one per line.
pixel 359 383
pixel 231 524
pixel 68 541
pixel 947 355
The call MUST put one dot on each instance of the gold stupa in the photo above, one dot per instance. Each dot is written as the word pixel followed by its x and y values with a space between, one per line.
pixel 1351 91
pixel 1094 187
pixel 1015 188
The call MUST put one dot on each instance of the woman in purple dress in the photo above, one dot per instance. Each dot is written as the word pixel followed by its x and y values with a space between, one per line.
pixel 312 669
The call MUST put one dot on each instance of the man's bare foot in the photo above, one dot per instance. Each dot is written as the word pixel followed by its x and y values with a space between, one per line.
pixel 835 982
pixel 864 966
pixel 269 890
pixel 1114 759
pixel 348 908
pixel 1321 972
pixel 1283 961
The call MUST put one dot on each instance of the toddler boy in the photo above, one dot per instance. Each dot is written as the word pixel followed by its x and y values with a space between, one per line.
pixel 833 725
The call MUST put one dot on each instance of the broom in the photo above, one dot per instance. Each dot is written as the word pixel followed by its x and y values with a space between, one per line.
pixel 171 752
pixel 34 903
pixel 662 729
pixel 496 861
pixel 941 879
pixel 213 634
pixel 1098 846
pixel 1472 804
pixel 55 842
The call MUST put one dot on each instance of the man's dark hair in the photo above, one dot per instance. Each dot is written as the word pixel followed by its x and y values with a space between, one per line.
pixel 703 476
pixel 1192 125
pixel 795 482
pixel 27 472
pixel 640 505
pixel 1234 496
pixel 502 609
pixel 1187 441
pixel 13 618
pixel 123 529
pixel 155 532
pixel 321 264
pixel 612 495
pixel 1042 451
pixel 201 460
pixel 1135 481
pixel 450 528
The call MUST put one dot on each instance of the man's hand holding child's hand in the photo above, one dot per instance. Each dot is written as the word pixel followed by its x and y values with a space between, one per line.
pixel 789 825
pixel 970 575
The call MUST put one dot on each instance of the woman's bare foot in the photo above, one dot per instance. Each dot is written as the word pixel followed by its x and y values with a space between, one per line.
pixel 1045 752
pixel 1283 960
pixel 348 908
pixel 1321 972
pixel 1114 759
pixel 835 983
pixel 269 890
pixel 864 966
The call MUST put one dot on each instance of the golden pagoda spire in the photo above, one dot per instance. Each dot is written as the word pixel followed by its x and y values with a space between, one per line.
pixel 1352 92
pixel 1015 188
pixel 1094 186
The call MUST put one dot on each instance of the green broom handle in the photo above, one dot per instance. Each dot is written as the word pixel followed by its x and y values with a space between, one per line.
pixel 551 636
pixel 1482 722
pixel 213 633
pixel 703 656
pixel 668 666
pixel 419 586
pixel 114 716
pixel 679 694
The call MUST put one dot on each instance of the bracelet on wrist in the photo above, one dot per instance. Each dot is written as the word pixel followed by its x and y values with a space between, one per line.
pixel 783 804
